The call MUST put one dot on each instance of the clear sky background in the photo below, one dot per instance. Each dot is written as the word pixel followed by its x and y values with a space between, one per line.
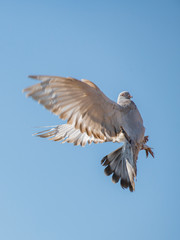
pixel 54 191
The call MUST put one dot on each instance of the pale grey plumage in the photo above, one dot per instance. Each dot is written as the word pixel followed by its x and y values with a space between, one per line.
pixel 93 117
pixel 68 133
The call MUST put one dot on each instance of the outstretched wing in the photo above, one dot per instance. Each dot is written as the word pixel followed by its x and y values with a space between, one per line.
pixel 81 103
pixel 67 133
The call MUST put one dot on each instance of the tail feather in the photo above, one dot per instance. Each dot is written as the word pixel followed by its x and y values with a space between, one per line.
pixel 120 163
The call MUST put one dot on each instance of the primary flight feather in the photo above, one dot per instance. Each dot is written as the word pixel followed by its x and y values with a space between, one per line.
pixel 93 117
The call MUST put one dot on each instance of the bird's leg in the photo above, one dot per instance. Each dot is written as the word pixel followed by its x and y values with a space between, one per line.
pixel 146 147
pixel 146 139
pixel 126 135
pixel 147 150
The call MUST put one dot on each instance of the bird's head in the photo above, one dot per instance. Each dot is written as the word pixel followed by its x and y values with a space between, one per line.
pixel 124 95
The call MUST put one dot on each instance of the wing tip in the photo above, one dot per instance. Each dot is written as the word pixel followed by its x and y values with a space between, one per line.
pixel 33 76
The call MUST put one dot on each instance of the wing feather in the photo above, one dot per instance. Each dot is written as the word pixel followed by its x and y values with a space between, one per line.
pixel 68 133
pixel 81 103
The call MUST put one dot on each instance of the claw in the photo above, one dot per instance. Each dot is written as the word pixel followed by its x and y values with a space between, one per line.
pixel 147 150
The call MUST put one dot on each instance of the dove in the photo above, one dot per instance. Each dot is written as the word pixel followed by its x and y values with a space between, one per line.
pixel 93 118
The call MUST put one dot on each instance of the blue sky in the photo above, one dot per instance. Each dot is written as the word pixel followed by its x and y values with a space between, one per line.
pixel 54 191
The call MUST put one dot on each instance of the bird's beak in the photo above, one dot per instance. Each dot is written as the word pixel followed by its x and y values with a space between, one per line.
pixel 131 96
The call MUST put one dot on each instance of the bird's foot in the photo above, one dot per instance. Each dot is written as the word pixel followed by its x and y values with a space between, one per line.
pixel 147 150
pixel 146 139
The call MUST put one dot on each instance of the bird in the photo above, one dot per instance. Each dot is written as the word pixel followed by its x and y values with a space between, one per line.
pixel 93 117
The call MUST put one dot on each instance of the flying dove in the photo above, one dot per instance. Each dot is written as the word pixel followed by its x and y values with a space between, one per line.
pixel 92 117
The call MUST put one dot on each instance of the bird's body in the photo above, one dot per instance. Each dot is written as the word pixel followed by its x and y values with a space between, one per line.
pixel 92 117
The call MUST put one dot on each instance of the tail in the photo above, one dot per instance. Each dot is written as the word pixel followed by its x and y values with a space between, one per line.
pixel 121 164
